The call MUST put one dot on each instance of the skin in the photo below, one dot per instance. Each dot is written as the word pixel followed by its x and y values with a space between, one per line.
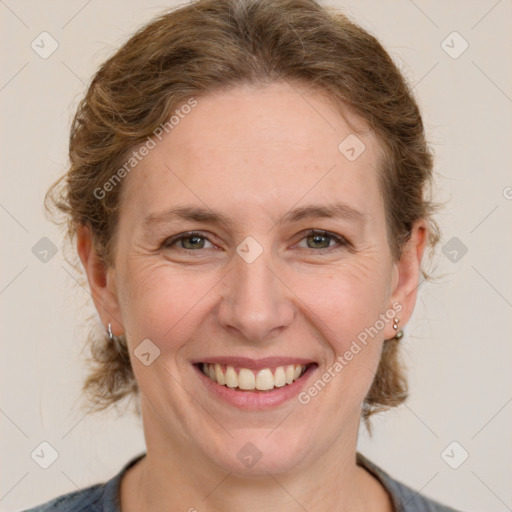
pixel 253 153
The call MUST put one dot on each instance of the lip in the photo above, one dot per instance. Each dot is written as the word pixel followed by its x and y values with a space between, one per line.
pixel 257 400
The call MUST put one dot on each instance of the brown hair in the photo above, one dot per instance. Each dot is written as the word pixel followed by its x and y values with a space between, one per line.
pixel 217 44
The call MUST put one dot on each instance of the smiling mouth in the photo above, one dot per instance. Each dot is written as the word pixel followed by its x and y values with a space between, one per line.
pixel 245 379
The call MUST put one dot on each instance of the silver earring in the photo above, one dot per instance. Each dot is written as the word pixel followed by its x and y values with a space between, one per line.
pixel 109 330
pixel 115 339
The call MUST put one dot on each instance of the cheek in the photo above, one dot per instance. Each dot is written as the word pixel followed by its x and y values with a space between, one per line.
pixel 346 300
pixel 163 305
pixel 348 308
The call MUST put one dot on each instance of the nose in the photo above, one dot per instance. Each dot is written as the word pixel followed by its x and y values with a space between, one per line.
pixel 256 302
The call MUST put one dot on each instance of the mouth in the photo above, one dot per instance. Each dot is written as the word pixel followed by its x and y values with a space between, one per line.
pixel 247 379
pixel 254 384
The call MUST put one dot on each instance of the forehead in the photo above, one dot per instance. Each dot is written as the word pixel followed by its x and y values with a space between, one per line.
pixel 263 147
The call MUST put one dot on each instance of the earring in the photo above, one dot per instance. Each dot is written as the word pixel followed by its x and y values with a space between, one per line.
pixel 400 333
pixel 114 339
pixel 109 330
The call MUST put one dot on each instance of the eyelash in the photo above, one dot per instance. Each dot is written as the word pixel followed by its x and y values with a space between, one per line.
pixel 340 240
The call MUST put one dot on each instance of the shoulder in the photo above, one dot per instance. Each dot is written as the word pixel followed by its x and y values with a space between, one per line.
pixel 96 498
pixel 405 499
pixel 85 499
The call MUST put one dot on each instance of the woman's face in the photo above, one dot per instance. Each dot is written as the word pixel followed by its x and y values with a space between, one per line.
pixel 257 284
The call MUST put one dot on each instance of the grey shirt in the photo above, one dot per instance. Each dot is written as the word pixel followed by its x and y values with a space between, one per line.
pixel 105 497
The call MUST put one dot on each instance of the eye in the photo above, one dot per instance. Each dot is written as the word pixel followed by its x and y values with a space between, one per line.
pixel 321 240
pixel 190 241
pixel 315 239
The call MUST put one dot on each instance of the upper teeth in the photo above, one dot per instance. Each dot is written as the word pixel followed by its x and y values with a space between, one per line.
pixel 262 380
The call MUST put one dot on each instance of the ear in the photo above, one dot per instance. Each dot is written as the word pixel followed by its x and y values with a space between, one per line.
pixel 407 275
pixel 101 281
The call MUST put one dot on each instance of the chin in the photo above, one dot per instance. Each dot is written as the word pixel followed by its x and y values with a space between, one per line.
pixel 256 452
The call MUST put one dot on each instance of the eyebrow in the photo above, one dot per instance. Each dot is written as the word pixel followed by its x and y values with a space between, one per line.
pixel 206 215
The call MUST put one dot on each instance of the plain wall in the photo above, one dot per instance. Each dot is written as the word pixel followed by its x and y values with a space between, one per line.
pixel 457 345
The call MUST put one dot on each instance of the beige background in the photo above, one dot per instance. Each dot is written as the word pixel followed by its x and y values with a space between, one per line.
pixel 458 343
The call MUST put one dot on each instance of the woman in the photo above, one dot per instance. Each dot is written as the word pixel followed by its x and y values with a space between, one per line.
pixel 248 195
